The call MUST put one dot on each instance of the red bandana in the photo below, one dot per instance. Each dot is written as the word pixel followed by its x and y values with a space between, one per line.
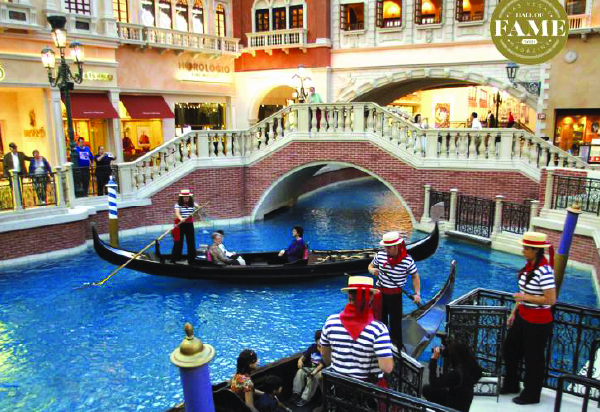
pixel 355 321
pixel 402 253
pixel 543 261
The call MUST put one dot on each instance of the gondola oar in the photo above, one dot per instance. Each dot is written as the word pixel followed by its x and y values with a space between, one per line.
pixel 138 254
pixel 411 297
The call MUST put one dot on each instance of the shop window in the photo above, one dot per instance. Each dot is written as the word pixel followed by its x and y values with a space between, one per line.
pixel 577 127
pixel 78 6
pixel 296 17
pixel 279 18
pixel 389 13
pixel 181 15
pixel 261 20
pixel 428 12
pixel 199 116
pixel 221 22
pixel 469 10
pixel 120 11
pixel 198 17
pixel 575 7
pixel 164 14
pixel 352 16
pixel 147 17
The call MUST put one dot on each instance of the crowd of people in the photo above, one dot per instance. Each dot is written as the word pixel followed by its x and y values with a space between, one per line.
pixel 39 170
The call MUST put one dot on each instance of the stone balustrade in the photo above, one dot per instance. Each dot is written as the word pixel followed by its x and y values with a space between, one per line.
pixel 277 39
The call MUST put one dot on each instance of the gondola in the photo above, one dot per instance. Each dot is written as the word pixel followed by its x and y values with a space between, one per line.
pixel 418 329
pixel 262 266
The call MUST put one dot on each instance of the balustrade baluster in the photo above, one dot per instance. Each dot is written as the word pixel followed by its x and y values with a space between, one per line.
pixel 463 142
pixel 492 146
pixel 313 120
pixel 471 151
pixel 561 160
pixel 410 141
pixel 137 175
pixel 525 149
pixel 147 171
pixel 377 118
pixel 279 129
pixel 217 140
pixel 370 113
pixel 394 138
pixel 288 122
pixel 155 166
pixel 480 141
pixel 403 136
pixel 386 126
pixel 543 157
pixel 228 144
pixel 452 147
pixel 328 119
pixel 258 139
pixel 347 119
pixel 418 145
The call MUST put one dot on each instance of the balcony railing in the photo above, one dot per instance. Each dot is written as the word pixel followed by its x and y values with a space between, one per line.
pixel 579 21
pixel 277 39
pixel 174 39
pixel 568 189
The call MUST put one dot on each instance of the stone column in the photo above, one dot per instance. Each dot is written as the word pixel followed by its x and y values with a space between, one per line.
pixel 426 218
pixel 506 144
pixel 60 178
pixel 453 199
pixel 55 104
pixel 115 128
pixel 497 229
pixel 534 209
pixel 70 184
pixel 548 192
pixel 359 117
pixel 16 190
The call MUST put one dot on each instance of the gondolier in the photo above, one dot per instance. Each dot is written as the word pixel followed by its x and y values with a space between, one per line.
pixel 183 212
pixel 392 267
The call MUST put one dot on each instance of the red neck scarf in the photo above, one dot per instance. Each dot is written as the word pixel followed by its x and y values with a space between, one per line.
pixel 402 253
pixel 530 266
pixel 355 321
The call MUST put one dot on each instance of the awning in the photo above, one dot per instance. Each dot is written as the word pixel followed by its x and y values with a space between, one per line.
pixel 91 106
pixel 147 107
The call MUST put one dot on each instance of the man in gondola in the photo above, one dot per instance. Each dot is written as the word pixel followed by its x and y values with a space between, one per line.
pixel 392 267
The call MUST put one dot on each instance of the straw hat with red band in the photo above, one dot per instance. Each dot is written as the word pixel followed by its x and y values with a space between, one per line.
pixel 360 282
pixel 185 192
pixel 535 239
pixel 391 239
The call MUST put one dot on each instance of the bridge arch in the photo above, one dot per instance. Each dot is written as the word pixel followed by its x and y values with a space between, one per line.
pixel 382 90
pixel 285 190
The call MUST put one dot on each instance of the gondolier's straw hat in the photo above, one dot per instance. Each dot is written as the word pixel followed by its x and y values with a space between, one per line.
pixel 185 192
pixel 535 239
pixel 391 239
pixel 360 282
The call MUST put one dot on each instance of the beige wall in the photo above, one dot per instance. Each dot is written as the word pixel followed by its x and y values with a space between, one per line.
pixel 574 85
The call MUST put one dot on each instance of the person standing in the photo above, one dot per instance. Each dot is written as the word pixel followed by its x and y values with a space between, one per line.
pixel 352 341
pixel 81 171
pixel 491 120
pixel 511 120
pixel 183 213
pixel 39 168
pixel 315 98
pixel 103 171
pixel 475 123
pixel 295 250
pixel 392 267
pixel 14 160
pixel 530 323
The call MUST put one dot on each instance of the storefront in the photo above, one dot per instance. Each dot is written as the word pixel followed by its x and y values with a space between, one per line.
pixel 199 116
pixel 576 128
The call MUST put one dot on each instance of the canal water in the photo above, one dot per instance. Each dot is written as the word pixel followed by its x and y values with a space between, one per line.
pixel 107 348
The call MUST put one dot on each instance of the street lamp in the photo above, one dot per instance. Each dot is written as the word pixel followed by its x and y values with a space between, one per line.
pixel 63 78
pixel 511 72
pixel 301 82
pixel 498 102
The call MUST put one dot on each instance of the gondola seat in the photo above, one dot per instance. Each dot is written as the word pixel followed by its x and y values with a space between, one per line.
pixel 227 401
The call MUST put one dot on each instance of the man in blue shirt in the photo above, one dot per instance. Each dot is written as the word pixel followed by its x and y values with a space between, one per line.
pixel 81 168
pixel 295 250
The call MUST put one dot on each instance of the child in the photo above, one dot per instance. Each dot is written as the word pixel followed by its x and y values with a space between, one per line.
pixel 310 365
pixel 269 402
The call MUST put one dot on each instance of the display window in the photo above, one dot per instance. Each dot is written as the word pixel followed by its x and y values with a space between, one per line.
pixel 199 116
pixel 575 128
pixel 139 136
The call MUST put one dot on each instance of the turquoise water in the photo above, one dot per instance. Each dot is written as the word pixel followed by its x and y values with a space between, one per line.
pixel 107 348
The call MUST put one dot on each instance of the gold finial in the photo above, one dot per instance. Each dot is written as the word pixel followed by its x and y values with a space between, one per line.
pixel 192 352
pixel 575 207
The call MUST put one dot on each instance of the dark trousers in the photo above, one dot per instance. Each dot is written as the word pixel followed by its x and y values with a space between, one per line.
pixel 40 182
pixel 391 315
pixel 185 230
pixel 102 181
pixel 82 181
pixel 526 340
pixel 436 395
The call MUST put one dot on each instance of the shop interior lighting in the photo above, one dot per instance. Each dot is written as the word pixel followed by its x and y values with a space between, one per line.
pixel 428 7
pixel 466 5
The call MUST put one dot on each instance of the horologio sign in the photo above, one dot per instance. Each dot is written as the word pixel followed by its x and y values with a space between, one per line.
pixel 529 31
pixel 204 72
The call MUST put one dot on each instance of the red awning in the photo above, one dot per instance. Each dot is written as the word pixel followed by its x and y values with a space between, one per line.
pixel 91 106
pixel 147 107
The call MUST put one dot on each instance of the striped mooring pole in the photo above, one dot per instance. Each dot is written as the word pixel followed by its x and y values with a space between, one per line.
pixel 113 217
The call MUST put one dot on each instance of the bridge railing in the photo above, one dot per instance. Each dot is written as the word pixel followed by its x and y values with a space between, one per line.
pixel 429 147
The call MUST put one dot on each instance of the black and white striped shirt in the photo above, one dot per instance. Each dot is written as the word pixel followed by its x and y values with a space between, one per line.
pixel 356 358
pixel 543 279
pixel 185 211
pixel 393 277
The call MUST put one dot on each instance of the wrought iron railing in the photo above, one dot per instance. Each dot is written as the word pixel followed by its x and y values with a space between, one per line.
pixel 591 370
pixel 91 181
pixel 575 380
pixel 586 191
pixel 435 197
pixel 6 194
pixel 38 190
pixel 346 394
pixel 575 329
pixel 515 217
pixel 475 215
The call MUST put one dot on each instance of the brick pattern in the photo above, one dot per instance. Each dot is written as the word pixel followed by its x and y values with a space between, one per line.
pixel 583 249
pixel 329 178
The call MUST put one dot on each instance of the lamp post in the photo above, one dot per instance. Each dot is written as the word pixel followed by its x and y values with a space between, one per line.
pixel 511 72
pixel 498 102
pixel 63 78
pixel 301 83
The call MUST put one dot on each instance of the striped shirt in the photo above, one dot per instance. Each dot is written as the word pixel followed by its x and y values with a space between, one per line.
pixel 393 277
pixel 185 211
pixel 356 358
pixel 543 279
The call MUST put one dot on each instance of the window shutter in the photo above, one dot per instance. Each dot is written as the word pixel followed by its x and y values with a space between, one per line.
pixel 459 10
pixel 379 20
pixel 343 17
pixel 418 11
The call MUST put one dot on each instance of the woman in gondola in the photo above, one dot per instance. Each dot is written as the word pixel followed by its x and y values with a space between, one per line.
pixel 241 383
pixel 183 212
pixel 530 322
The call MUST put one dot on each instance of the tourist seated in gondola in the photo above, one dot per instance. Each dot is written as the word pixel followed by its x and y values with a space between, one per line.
pixel 241 383
pixel 230 255
pixel 216 254
pixel 273 386
pixel 295 250
pixel 307 378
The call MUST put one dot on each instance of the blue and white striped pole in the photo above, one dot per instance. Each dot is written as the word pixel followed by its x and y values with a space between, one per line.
pixel 113 216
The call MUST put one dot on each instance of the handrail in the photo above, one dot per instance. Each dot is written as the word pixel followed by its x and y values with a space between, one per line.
pixel 587 382
pixel 590 371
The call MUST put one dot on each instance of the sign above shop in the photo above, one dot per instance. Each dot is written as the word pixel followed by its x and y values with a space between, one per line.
pixel 204 72
pixel 98 77
pixel 541 116
pixel 2 73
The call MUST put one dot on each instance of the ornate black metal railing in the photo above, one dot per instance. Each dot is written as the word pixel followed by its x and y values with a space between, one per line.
pixel 344 394
pixel 407 376
pixel 575 380
pixel 38 190
pixel 575 329
pixel 435 197
pixel 91 181
pixel 515 217
pixel 568 189
pixel 591 370
pixel 6 194
pixel 475 215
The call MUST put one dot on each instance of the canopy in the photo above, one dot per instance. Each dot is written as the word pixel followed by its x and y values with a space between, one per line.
pixel 147 107
pixel 91 105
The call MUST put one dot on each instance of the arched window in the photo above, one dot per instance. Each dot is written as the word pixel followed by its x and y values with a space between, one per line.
pixel 198 17
pixel 181 15
pixel 78 6
pixel 120 10
pixel 221 23
pixel 147 17
pixel 164 14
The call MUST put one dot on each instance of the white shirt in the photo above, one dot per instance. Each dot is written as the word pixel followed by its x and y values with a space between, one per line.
pixel 476 124
pixel 16 165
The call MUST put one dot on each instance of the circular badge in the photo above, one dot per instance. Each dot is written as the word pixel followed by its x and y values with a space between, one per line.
pixel 529 31
pixel 2 73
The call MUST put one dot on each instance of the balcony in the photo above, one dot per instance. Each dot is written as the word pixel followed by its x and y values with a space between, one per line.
pixel 277 39
pixel 18 16
pixel 579 21
pixel 145 36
